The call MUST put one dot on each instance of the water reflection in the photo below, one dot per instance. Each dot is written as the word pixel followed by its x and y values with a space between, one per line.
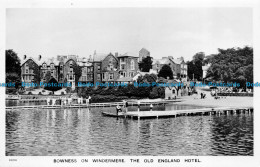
pixel 87 132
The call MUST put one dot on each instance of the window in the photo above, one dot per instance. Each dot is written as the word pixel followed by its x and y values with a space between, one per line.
pixel 98 76
pixel 111 66
pixel 71 63
pixel 52 65
pixel 132 65
pixel 131 74
pixel 44 65
pixel 123 74
pixel 98 66
pixel 111 76
pixel 157 65
pixel 122 66
pixel 26 71
pixel 84 78
pixel 61 68
pixel 90 77
pixel 103 76
pixel 173 91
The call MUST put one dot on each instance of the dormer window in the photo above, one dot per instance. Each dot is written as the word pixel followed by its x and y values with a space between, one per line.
pixel 44 65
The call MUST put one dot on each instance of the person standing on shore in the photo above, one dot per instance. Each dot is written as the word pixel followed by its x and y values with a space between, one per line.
pixel 138 104
pixel 126 107
pixel 48 101
pixel 151 107
pixel 88 101
pixel 118 109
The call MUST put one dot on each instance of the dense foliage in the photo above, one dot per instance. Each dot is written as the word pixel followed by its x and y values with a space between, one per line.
pixel 146 64
pixel 13 68
pixel 78 71
pixel 231 65
pixel 165 72
pixel 51 85
pixel 195 66
pixel 119 93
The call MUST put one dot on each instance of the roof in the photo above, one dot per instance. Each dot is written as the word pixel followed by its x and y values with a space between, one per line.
pixel 99 56
pixel 162 61
pixel 128 54
pixel 144 49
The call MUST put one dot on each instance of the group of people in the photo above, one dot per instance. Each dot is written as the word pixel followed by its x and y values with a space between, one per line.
pixel 119 109
pixel 125 105
pixel 202 95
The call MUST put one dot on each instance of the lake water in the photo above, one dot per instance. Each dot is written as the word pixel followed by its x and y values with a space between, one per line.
pixel 86 132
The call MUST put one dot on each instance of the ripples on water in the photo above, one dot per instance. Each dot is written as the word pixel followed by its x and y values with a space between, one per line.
pixel 87 132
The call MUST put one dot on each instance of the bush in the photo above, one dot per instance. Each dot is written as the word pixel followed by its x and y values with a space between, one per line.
pixel 50 93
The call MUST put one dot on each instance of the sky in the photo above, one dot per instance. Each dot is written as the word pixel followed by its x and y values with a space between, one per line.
pixel 163 31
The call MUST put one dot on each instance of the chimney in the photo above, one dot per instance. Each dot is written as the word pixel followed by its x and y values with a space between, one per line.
pixel 40 57
pixel 24 57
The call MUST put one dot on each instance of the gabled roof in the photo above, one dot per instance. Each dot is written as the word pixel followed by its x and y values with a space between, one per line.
pixel 29 58
pixel 128 54
pixel 99 56
pixel 144 49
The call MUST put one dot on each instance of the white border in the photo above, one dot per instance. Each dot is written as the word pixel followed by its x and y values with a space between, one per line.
pixel 214 161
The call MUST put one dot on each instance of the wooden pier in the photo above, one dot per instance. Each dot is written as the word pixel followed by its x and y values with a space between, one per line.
pixel 190 112
pixel 92 105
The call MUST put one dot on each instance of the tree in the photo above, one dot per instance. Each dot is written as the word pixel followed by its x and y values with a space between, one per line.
pixel 195 66
pixel 51 85
pixel 146 64
pixel 147 78
pixel 232 65
pixel 165 72
pixel 78 72
pixel 13 67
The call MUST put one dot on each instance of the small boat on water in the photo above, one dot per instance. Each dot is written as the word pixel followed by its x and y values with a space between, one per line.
pixel 108 114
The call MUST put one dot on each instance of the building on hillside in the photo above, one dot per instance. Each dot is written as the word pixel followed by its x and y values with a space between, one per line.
pixel 30 71
pixel 143 53
pixel 128 67
pixel 181 68
pixel 159 63
pixel 104 68
pixel 178 66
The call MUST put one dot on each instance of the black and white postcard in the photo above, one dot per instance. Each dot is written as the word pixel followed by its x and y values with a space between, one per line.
pixel 144 83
